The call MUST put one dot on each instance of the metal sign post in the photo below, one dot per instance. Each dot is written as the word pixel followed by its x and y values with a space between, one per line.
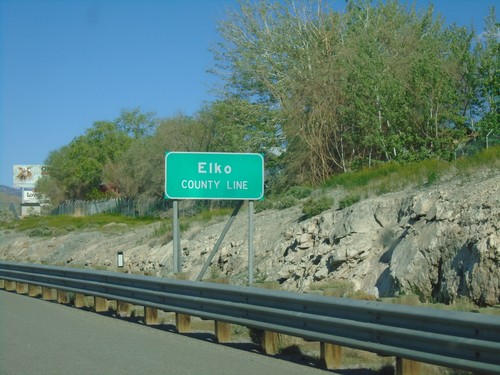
pixel 251 250
pixel 176 239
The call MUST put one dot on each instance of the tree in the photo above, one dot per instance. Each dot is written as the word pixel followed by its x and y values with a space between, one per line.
pixel 136 123
pixel 140 170
pixel 77 168
pixel 237 125
pixel 379 82
pixel 488 99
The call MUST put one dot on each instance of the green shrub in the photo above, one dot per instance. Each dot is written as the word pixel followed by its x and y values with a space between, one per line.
pixel 333 288
pixel 299 192
pixel 313 207
pixel 286 202
pixel 349 201
pixel 265 204
pixel 40 232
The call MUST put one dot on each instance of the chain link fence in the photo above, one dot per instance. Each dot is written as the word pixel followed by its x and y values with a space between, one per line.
pixel 137 207
pixel 476 145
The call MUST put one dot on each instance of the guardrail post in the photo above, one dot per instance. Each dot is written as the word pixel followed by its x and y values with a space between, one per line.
pixel 33 290
pixel 269 339
pixel 21 288
pixel 10 286
pixel 122 309
pixel 222 330
pixel 407 367
pixel 79 300
pixel 150 316
pixel 2 284
pixel 62 296
pixel 270 342
pixel 150 313
pixel 182 321
pixel 100 304
pixel 331 355
pixel 47 294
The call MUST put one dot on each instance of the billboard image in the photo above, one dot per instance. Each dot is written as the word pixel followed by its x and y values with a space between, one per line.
pixel 26 176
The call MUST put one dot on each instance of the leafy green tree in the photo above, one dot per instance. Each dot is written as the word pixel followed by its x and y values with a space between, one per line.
pixel 379 82
pixel 136 123
pixel 77 168
pixel 488 100
pixel 140 170
pixel 237 125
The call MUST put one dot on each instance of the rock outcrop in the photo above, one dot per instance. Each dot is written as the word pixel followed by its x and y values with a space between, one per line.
pixel 439 244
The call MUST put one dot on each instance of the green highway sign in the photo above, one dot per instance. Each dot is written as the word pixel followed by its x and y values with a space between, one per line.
pixel 212 175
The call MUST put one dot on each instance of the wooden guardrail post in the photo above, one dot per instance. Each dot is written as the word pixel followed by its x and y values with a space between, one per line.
pixel 150 313
pixel 182 321
pixel 270 342
pixel 222 330
pixel 47 294
pixel 269 339
pixel 330 354
pixel 150 316
pixel 33 290
pixel 79 300
pixel 100 304
pixel 10 286
pixel 122 309
pixel 21 288
pixel 62 296
pixel 406 366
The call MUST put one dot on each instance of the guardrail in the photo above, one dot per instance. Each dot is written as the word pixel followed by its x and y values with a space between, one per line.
pixel 467 341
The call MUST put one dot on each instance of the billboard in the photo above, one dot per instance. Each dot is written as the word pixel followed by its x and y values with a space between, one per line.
pixel 26 176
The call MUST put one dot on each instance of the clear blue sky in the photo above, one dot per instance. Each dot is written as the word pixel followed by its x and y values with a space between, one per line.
pixel 65 64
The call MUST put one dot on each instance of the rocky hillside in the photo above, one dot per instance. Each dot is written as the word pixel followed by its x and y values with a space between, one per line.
pixel 440 242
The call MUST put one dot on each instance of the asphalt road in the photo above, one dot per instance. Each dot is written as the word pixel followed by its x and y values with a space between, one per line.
pixel 40 337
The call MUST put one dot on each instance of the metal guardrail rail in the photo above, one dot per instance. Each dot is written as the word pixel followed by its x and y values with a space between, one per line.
pixel 467 341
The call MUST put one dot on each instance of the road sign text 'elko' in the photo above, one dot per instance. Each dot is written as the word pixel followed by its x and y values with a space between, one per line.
pixel 211 175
